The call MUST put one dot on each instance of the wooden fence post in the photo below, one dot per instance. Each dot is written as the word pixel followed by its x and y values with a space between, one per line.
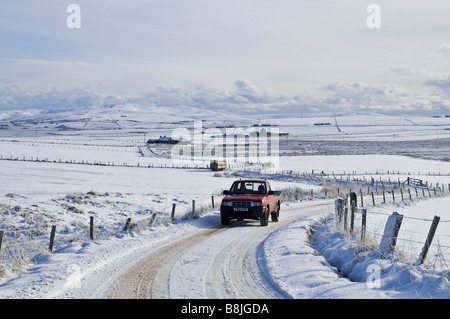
pixel 345 217
pixel 127 224
pixel 173 212
pixel 354 198
pixel 212 201
pixel 363 224
pixel 352 216
pixel 1 238
pixel 91 227
pixel 373 200
pixel 338 209
pixel 389 239
pixel 152 219
pixel 193 207
pixel 52 238
pixel 362 200
pixel 430 236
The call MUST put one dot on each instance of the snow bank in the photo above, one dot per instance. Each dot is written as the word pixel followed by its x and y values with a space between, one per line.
pixel 391 277
pixel 297 268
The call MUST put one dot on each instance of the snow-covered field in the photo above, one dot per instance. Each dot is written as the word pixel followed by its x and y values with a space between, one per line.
pixel 93 167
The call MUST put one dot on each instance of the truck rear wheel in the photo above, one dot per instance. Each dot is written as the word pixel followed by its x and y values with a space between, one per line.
pixel 275 214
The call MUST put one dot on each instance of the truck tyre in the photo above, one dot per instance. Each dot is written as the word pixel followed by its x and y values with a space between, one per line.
pixel 264 220
pixel 276 214
pixel 224 219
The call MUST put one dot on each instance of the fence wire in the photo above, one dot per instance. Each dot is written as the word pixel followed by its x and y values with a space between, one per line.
pixel 412 236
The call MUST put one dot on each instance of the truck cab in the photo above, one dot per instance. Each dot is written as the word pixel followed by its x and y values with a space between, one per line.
pixel 250 199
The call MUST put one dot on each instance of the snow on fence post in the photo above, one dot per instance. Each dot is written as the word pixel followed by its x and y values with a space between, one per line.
pixel 52 238
pixel 389 239
pixel 430 236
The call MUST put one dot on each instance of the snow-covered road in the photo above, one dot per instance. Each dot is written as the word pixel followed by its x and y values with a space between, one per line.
pixel 213 262
pixel 219 262
pixel 231 264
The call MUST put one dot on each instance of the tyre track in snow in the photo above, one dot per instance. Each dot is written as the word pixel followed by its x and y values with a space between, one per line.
pixel 148 277
pixel 224 262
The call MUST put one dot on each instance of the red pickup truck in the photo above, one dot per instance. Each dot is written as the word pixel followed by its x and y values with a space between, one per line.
pixel 250 199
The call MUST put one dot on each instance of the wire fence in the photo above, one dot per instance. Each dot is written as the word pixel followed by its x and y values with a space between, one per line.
pixel 36 234
pixel 417 239
pixel 25 234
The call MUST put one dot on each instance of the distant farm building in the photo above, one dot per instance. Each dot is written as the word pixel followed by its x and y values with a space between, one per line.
pixel 162 140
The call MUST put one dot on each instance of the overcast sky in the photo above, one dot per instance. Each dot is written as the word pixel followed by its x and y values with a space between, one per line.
pixel 295 56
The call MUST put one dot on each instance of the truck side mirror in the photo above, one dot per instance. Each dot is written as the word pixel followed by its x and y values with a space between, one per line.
pixel 271 193
pixel 226 192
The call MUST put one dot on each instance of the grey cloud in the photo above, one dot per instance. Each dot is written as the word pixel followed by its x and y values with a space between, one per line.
pixel 445 47
pixel 387 98
pixel 246 98
pixel 403 69
pixel 13 98
pixel 443 84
